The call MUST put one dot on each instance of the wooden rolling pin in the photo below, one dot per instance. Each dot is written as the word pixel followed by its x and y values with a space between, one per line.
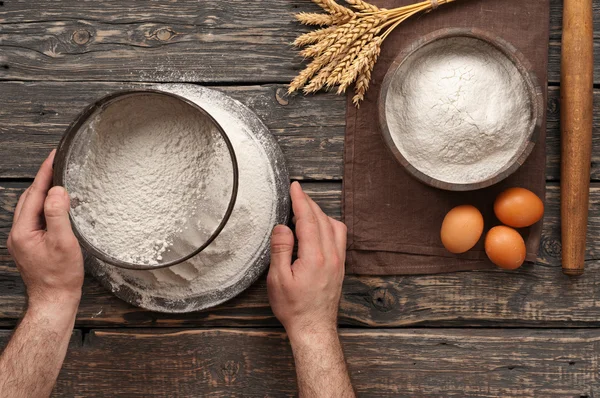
pixel 576 94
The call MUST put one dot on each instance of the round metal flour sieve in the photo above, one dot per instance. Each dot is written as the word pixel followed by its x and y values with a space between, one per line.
pixel 243 246
pixel 74 146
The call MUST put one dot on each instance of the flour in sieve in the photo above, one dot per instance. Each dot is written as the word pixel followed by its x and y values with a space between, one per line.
pixel 154 163
pixel 241 243
pixel 459 110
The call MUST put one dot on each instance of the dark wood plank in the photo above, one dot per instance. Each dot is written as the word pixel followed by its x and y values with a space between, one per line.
pixel 34 116
pixel 224 41
pixel 255 362
pixel 328 195
pixel 211 41
pixel 535 295
pixel 310 130
pixel 63 387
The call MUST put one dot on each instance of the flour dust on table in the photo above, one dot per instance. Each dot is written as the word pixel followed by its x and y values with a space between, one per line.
pixel 156 170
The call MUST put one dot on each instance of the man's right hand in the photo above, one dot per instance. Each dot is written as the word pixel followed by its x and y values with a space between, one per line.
pixel 42 243
pixel 305 295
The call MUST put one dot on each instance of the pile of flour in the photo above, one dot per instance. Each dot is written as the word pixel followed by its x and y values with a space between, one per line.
pixel 458 110
pixel 154 182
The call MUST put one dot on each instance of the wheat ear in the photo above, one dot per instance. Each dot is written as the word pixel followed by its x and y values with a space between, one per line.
pixel 305 75
pixel 367 57
pixel 314 36
pixel 334 8
pixel 307 18
pixel 361 5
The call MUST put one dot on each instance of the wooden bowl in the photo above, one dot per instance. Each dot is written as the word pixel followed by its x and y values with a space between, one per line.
pixel 393 93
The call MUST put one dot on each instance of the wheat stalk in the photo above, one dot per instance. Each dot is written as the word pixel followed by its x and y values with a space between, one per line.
pixel 306 18
pixel 313 37
pixel 334 8
pixel 346 49
pixel 361 5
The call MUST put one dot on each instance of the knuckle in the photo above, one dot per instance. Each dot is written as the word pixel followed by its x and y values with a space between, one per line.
pixel 270 279
pixel 15 237
pixel 25 192
pixel 311 219
pixel 9 245
pixel 278 247
pixel 34 187
pixel 63 243
pixel 54 206
pixel 340 226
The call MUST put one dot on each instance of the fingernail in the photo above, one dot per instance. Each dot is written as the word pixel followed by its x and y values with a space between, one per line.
pixel 297 183
pixel 58 190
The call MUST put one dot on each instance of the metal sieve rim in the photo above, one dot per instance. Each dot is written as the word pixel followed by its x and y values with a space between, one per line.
pixel 61 162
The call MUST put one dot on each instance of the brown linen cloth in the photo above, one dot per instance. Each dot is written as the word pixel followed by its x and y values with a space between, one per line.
pixel 394 220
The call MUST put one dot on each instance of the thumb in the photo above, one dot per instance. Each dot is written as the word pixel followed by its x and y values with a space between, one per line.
pixel 56 211
pixel 282 247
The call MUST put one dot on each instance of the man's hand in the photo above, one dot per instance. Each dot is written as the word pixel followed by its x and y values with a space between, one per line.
pixel 49 258
pixel 305 295
pixel 42 243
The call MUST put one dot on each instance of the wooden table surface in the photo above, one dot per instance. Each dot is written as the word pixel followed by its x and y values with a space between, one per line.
pixel 533 332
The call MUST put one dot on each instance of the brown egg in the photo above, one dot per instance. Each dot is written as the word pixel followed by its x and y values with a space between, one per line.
pixel 461 229
pixel 518 208
pixel 505 247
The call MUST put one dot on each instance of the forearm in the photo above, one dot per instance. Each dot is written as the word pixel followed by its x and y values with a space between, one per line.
pixel 320 365
pixel 31 361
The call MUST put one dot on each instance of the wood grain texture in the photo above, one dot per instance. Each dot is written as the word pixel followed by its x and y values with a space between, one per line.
pixel 310 131
pixel 535 295
pixel 577 77
pixel 211 41
pixel 328 196
pixel 382 363
pixel 33 117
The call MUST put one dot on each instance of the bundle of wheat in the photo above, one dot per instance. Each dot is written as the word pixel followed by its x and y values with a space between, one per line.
pixel 345 49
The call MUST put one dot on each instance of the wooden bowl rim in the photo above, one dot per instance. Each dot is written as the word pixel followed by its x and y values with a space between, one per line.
pixel 529 77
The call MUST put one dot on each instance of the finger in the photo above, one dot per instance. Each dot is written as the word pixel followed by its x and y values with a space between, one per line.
pixel 56 211
pixel 307 229
pixel 327 240
pixel 19 206
pixel 282 247
pixel 340 233
pixel 30 216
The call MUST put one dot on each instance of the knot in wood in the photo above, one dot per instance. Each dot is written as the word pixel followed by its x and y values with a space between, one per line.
pixel 552 106
pixel 229 370
pixel 552 247
pixel 81 36
pixel 164 34
pixel 383 299
pixel 281 96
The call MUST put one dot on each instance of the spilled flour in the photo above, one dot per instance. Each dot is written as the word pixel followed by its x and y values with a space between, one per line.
pixel 459 110
pixel 154 181
pixel 241 251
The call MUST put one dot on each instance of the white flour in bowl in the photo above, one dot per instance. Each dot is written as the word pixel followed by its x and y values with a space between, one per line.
pixel 458 110
pixel 155 169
